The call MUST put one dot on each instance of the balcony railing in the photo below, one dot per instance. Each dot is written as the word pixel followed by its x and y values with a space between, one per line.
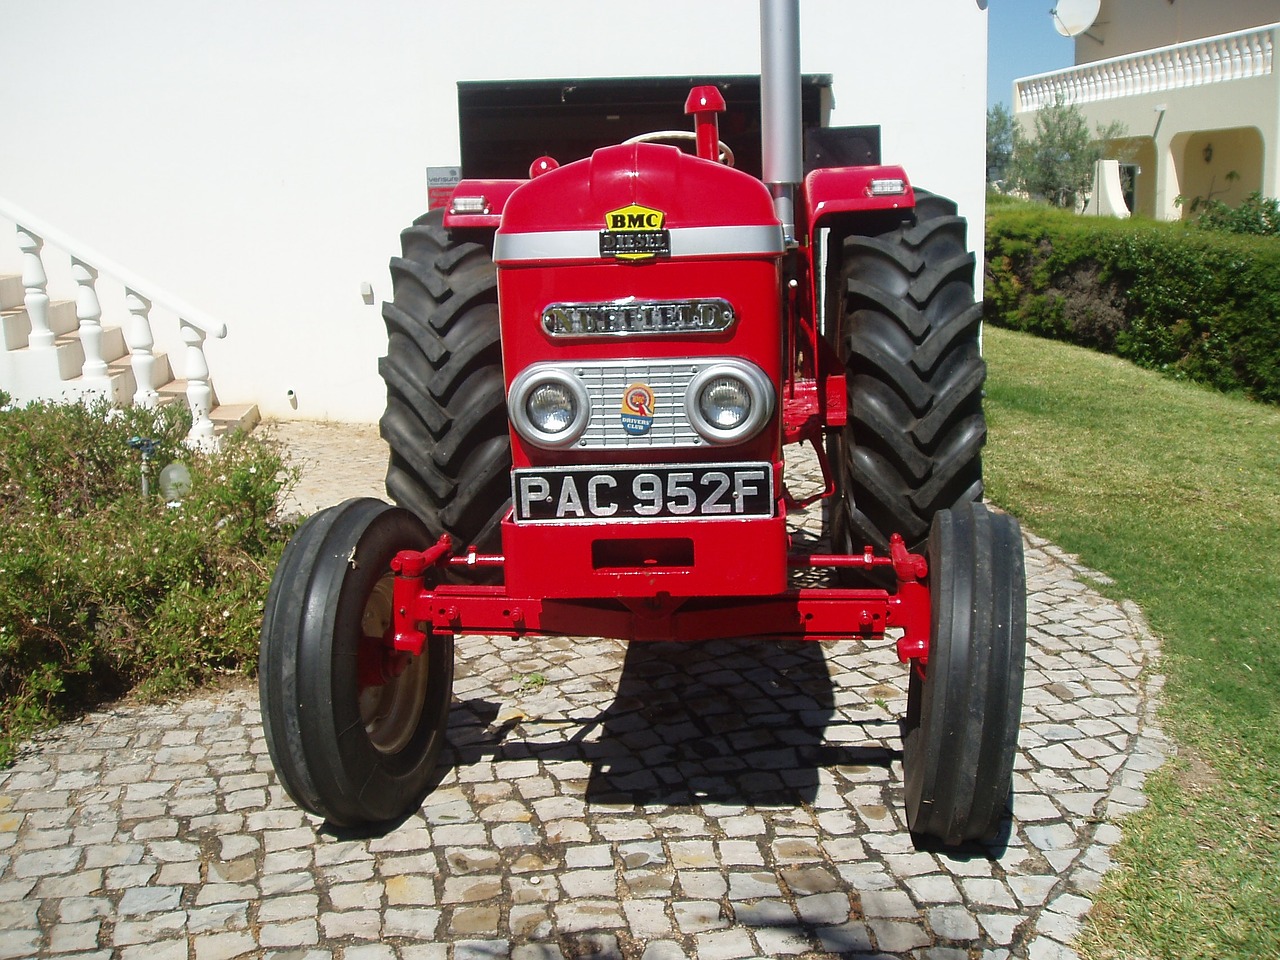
pixel 1232 56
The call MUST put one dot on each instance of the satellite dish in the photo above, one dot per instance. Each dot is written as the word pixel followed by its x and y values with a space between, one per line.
pixel 1073 17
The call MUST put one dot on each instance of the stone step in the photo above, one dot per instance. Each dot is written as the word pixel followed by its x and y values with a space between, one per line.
pixel 15 325
pixel 11 292
pixel 226 417
pixel 235 418
pixel 123 385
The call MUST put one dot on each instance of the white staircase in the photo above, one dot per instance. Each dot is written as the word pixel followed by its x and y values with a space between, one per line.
pixel 54 349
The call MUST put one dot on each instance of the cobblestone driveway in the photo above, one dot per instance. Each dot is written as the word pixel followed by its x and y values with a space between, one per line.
pixel 710 801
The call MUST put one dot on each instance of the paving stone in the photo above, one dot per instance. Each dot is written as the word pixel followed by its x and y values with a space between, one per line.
pixel 988 893
pixel 530 921
pixel 807 880
pixel 724 945
pixel 697 916
pixel 824 908
pixel 781 942
pixel 663 950
pixel 401 890
pixel 218 918
pixel 952 923
pixel 589 883
pixel 153 929
pixel 79 909
pixel 413 922
pixel 888 903
pixel 471 889
pixel 703 884
pixel 158 950
pixel 647 920
pixel 351 924
pixel 475 921
pixel 223 946
pixel 481 949
pixel 935 888
pixel 537 951
pixel 582 915
pixel 18 943
pixel 299 933
pixel 752 886
pixel 740 853
pixel 143 900
pixel 846 938
pixel 895 936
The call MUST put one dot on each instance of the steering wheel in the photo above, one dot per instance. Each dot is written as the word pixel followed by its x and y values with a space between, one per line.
pixel 726 154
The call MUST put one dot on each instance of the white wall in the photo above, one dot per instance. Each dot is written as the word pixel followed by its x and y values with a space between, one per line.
pixel 259 159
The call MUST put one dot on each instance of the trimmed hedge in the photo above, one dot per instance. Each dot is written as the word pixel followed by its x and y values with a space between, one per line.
pixel 1195 304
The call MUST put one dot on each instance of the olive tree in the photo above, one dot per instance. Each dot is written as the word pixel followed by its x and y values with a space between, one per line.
pixel 1056 162
pixel 1001 130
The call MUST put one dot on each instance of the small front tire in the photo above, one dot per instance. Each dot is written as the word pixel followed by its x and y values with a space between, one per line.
pixel 963 714
pixel 354 730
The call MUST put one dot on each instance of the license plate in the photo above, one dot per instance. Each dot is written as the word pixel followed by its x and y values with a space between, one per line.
pixel 704 491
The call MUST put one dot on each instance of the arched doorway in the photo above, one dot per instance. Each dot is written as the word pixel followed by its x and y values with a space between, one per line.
pixel 1221 165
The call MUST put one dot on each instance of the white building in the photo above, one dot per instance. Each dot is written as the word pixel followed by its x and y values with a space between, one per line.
pixel 252 164
pixel 1195 85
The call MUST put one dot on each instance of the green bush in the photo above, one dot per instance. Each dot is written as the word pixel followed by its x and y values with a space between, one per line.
pixel 1257 216
pixel 104 590
pixel 1196 304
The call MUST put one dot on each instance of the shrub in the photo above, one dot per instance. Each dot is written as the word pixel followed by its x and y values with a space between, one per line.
pixel 1196 304
pixel 104 590
pixel 1256 216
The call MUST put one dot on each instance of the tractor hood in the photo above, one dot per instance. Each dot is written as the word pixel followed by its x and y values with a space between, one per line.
pixel 637 202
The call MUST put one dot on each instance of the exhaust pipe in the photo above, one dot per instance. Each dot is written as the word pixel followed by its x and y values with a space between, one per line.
pixel 780 106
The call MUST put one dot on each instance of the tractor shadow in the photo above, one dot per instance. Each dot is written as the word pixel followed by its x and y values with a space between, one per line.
pixel 739 722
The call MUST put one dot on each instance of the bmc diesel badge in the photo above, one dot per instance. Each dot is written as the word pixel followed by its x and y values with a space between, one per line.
pixel 637 409
pixel 634 233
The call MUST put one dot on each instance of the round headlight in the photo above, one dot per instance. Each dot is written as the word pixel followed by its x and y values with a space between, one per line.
pixel 725 402
pixel 729 400
pixel 551 407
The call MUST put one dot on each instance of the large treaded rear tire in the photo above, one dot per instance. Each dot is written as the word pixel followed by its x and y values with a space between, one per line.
pixel 961 729
pixel 446 419
pixel 914 372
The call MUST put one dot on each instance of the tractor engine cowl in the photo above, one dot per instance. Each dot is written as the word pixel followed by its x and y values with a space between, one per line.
pixel 639 294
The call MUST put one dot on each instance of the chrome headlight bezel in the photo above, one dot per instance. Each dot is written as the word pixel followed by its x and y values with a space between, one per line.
pixel 523 387
pixel 758 387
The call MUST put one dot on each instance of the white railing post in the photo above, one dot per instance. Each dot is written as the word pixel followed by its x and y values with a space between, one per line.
pixel 34 282
pixel 199 391
pixel 89 315
pixel 140 341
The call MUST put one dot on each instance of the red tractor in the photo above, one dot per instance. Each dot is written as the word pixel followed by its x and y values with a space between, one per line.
pixel 593 375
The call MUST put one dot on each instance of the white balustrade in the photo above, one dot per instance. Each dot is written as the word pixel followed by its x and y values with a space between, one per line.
pixel 140 340
pixel 89 316
pixel 35 299
pixel 1233 56
pixel 86 265
pixel 199 390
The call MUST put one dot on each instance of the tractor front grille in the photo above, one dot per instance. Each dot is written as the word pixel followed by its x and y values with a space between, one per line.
pixel 607 382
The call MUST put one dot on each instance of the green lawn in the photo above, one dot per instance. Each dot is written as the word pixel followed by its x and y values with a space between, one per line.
pixel 1173 491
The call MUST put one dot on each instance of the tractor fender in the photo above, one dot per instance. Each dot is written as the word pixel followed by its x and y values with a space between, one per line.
pixel 490 196
pixel 832 191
